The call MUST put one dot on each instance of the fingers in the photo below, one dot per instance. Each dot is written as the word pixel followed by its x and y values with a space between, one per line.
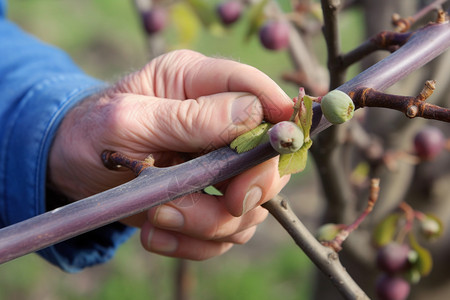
pixel 203 216
pixel 149 124
pixel 177 245
pixel 212 75
pixel 185 74
pixel 197 227
pixel 254 187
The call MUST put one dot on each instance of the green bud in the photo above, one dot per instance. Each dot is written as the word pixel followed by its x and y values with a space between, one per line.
pixel 328 232
pixel 413 276
pixel 286 137
pixel 431 227
pixel 413 256
pixel 337 107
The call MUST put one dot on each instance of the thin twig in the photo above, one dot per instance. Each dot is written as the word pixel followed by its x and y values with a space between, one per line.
pixel 409 216
pixel 326 259
pixel 183 280
pixel 404 24
pixel 385 40
pixel 336 243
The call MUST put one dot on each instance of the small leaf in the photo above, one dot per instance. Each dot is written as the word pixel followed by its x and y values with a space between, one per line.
pixel 360 173
pixel 204 10
pixel 424 262
pixel 306 115
pixel 212 190
pixel 186 24
pixel 256 19
pixel 294 162
pixel 251 139
pixel 385 230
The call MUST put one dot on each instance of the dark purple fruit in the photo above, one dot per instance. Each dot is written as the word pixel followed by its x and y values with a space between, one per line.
pixel 286 137
pixel 393 258
pixel 392 288
pixel 274 35
pixel 229 11
pixel 154 20
pixel 429 142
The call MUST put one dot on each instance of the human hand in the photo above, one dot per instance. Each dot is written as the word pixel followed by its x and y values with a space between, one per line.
pixel 181 102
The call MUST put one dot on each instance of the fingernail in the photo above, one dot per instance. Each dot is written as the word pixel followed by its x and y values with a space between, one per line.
pixel 162 242
pixel 168 217
pixel 251 199
pixel 245 108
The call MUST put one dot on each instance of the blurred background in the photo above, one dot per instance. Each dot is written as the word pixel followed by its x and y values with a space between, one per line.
pixel 107 40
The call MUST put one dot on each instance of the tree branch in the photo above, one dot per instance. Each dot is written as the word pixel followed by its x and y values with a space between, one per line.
pixel 385 40
pixel 327 148
pixel 404 24
pixel 326 259
pixel 411 106
pixel 331 33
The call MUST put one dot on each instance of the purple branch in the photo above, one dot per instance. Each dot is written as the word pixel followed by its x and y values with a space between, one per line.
pixel 424 45
pixel 155 186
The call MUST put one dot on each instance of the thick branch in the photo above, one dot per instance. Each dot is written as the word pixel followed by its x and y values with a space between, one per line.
pixel 426 44
pixel 326 259
pixel 331 33
pixel 327 147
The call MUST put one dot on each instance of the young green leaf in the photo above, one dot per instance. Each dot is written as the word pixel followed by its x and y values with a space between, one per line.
pixel 294 162
pixel 385 230
pixel 251 139
pixel 305 116
pixel 187 25
pixel 424 262
pixel 256 18
pixel 204 11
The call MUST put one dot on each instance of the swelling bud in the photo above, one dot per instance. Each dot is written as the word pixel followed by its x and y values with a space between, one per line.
pixel 393 258
pixel 154 20
pixel 392 288
pixel 274 35
pixel 328 232
pixel 431 227
pixel 337 107
pixel 429 142
pixel 229 11
pixel 286 137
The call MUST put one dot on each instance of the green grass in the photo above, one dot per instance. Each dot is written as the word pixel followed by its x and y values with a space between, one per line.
pixel 135 274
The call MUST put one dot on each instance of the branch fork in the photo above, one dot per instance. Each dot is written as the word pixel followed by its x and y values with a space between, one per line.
pixel 411 106
pixel 115 160
pixel 336 243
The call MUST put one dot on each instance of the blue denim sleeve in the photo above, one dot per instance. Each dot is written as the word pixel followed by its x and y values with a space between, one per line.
pixel 38 85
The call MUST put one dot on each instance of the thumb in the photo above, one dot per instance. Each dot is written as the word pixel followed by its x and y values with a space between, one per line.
pixel 208 122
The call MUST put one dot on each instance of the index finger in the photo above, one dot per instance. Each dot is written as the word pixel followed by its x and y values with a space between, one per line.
pixel 206 75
